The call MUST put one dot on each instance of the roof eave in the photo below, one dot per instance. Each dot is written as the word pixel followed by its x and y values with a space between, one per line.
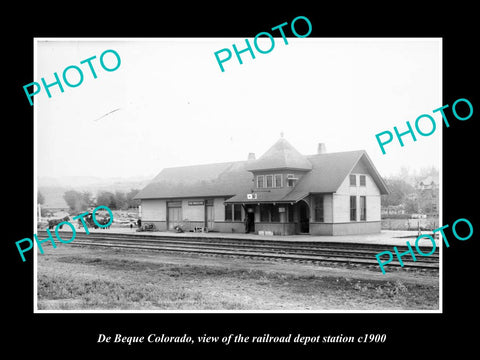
pixel 379 180
pixel 280 169
pixel 183 197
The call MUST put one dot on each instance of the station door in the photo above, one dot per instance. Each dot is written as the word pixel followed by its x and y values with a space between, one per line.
pixel 209 216
pixel 174 216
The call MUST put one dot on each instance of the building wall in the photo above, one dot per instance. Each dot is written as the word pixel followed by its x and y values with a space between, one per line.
pixel 154 210
pixel 373 208
pixel 278 228
pixel 354 228
pixel 219 209
pixel 195 213
pixel 317 228
pixel 328 208
pixel 341 202
pixel 341 208
pixel 229 226
pixel 159 225
pixel 370 187
pixel 336 213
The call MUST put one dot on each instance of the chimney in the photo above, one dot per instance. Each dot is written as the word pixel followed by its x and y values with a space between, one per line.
pixel 251 156
pixel 321 148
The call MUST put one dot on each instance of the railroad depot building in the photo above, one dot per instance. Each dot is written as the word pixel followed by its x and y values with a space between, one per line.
pixel 283 191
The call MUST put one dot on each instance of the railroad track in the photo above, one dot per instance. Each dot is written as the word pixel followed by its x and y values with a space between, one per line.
pixel 281 250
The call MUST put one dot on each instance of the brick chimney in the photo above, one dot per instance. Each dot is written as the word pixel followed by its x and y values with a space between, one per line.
pixel 251 156
pixel 322 149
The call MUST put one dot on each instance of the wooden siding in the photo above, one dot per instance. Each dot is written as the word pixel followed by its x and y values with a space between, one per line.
pixel 154 210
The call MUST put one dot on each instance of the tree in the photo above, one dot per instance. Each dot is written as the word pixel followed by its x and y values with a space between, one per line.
pixel 131 202
pixel 77 201
pixel 86 200
pixel 40 198
pixel 107 198
pixel 399 190
pixel 428 171
pixel 411 206
pixel 120 200
pixel 404 172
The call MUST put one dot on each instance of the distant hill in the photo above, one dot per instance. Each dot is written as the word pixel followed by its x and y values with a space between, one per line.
pixel 53 196
pixel 53 188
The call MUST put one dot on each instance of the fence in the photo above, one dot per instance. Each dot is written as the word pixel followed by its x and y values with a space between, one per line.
pixel 410 224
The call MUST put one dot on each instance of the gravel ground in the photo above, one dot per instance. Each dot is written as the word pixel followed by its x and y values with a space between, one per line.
pixel 389 237
pixel 83 278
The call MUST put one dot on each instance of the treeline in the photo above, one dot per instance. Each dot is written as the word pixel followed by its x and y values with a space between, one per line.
pixel 404 192
pixel 400 194
pixel 80 201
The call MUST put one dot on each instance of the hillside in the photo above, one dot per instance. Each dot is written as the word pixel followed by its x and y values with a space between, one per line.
pixel 53 188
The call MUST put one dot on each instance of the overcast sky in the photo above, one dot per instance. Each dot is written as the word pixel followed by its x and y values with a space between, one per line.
pixel 175 106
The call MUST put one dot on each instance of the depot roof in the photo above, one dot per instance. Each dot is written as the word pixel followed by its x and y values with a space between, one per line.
pixel 327 174
pixel 282 155
pixel 210 180
pixel 324 173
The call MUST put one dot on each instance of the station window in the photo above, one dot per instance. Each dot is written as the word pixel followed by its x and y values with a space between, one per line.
pixel 278 181
pixel 228 212
pixel 290 213
pixel 290 180
pixel 264 213
pixel 269 213
pixel 237 212
pixel 269 181
pixel 363 208
pixel 260 181
pixel 353 208
pixel 233 212
pixel 319 208
pixel 274 213
pixel 353 180
pixel 362 180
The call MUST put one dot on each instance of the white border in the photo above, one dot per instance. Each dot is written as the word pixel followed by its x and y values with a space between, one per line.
pixel 35 122
pixel 35 207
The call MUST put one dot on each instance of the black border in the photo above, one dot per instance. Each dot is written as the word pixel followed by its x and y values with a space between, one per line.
pixel 406 333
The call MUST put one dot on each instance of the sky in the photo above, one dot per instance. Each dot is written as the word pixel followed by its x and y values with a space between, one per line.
pixel 169 104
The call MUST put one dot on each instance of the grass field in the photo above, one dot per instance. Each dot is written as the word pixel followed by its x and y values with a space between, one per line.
pixel 78 278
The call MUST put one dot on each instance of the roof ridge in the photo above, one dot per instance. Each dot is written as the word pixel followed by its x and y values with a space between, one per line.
pixel 338 152
pixel 206 164
pixel 281 155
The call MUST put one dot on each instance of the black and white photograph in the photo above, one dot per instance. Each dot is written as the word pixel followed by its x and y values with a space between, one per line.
pixel 227 180
pixel 249 189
